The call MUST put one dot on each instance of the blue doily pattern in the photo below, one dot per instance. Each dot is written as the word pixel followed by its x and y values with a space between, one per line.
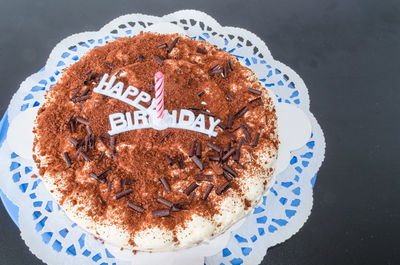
pixel 278 210
pixel 43 208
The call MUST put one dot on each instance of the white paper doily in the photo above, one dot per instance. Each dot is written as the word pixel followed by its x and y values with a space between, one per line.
pixel 56 240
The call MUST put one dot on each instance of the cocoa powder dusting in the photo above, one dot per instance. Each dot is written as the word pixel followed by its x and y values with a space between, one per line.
pixel 139 155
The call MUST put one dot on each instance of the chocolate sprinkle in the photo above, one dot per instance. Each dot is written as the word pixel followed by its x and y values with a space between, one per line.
pixel 162 139
pixel 207 192
pixel 198 162
pixel 214 158
pixel 225 71
pixel 81 120
pixel 256 102
pixel 72 126
pixel 227 176
pixel 106 135
pixel 200 93
pixel 75 94
pixel 161 46
pixel 216 72
pixel 222 126
pixel 101 175
pixel 227 147
pixel 71 117
pixel 86 141
pixel 241 112
pixel 175 209
pixel 229 170
pixel 160 213
pixel 121 184
pixel 256 138
pixel 246 134
pixel 214 68
pixel 93 175
pixel 85 156
pixel 231 136
pixel 165 202
pixel 121 194
pixel 166 185
pixel 214 147
pixel 88 72
pixel 73 141
pixel 179 206
pixel 221 154
pixel 230 64
pixel 102 202
pixel 102 140
pixel 92 141
pixel 181 161
pixel 230 121
pixel 242 140
pixel 201 50
pixel 94 76
pixel 109 186
pixel 192 148
pixel 206 112
pixel 203 177
pixel 234 130
pixel 236 155
pixel 190 188
pixel 254 91
pixel 192 196
pixel 140 57
pixel 246 126
pixel 80 99
pixel 129 181
pixel 172 45
pixel 152 85
pixel 168 159
pixel 158 60
pixel 78 152
pixel 67 159
pixel 199 150
pixel 81 143
pixel 194 109
pixel 228 154
pixel 101 157
pixel 84 93
pixel 109 65
pixel 112 144
pixel 223 188
pixel 229 96
pixel 240 164
pixel 135 207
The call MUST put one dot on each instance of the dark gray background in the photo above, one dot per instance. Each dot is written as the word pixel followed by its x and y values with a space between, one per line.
pixel 346 51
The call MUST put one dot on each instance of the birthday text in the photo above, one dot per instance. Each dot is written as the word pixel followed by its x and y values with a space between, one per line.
pixel 145 117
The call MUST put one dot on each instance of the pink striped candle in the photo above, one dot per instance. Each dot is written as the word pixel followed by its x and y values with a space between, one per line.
pixel 159 87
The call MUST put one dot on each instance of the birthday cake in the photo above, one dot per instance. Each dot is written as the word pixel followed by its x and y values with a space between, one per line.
pixel 148 184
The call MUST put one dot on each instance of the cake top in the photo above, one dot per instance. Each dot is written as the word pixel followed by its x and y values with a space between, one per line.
pixel 146 178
